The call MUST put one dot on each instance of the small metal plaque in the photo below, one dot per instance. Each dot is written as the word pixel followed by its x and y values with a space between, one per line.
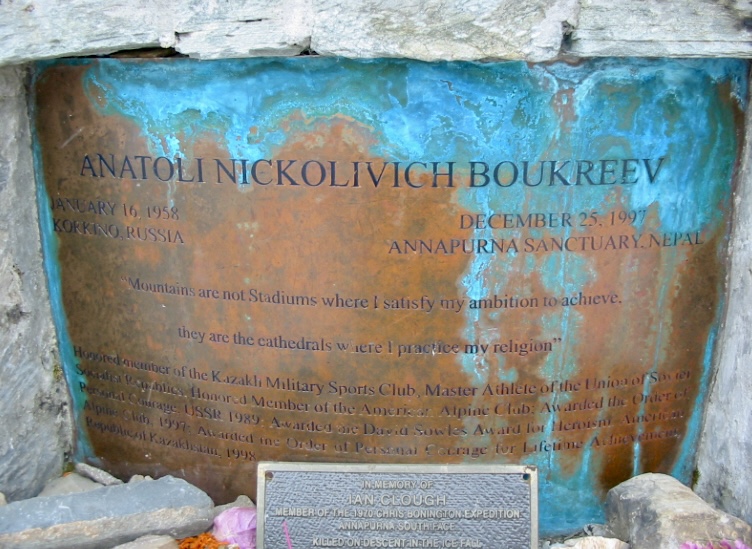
pixel 423 506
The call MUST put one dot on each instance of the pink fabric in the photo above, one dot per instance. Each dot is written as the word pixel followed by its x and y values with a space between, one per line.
pixel 237 525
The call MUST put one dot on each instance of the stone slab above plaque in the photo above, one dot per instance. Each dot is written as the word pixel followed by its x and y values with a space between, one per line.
pixel 389 262
pixel 334 505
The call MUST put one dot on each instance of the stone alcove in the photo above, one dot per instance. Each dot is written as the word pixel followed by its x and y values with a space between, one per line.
pixel 35 402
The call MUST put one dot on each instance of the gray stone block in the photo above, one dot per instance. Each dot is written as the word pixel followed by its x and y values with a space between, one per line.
pixel 657 511
pixel 150 542
pixel 454 30
pixel 241 501
pixel 35 431
pixel 423 29
pixel 97 475
pixel 673 28
pixel 725 477
pixel 107 517
pixel 68 484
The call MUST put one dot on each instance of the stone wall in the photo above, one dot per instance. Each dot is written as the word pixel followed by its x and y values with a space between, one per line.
pixel 35 426
pixel 726 450
pixel 533 30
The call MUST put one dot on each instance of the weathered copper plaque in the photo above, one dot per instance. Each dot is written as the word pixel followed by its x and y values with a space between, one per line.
pixel 333 505
pixel 389 262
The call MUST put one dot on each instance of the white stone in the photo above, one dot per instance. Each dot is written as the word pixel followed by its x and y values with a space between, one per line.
pixel 42 29
pixel 150 542
pixel 591 542
pixel 240 501
pixel 725 476
pixel 34 417
pixel 203 29
pixel 533 30
pixel 97 475
pixel 656 510
pixel 670 28
pixel 214 30
pixel 139 478
pixel 453 30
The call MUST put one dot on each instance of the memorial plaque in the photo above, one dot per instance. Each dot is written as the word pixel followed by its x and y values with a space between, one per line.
pixel 389 262
pixel 328 505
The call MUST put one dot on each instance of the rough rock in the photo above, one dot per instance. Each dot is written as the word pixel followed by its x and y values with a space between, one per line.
pixel 655 510
pixel 245 28
pixel 197 28
pixel 600 530
pixel 452 30
pixel 240 501
pixel 107 517
pixel 97 475
pixel 2 499
pixel 150 542
pixel 725 477
pixel 591 542
pixel 670 28
pixel 35 432
pixel 139 478
pixel 534 30
pixel 68 484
